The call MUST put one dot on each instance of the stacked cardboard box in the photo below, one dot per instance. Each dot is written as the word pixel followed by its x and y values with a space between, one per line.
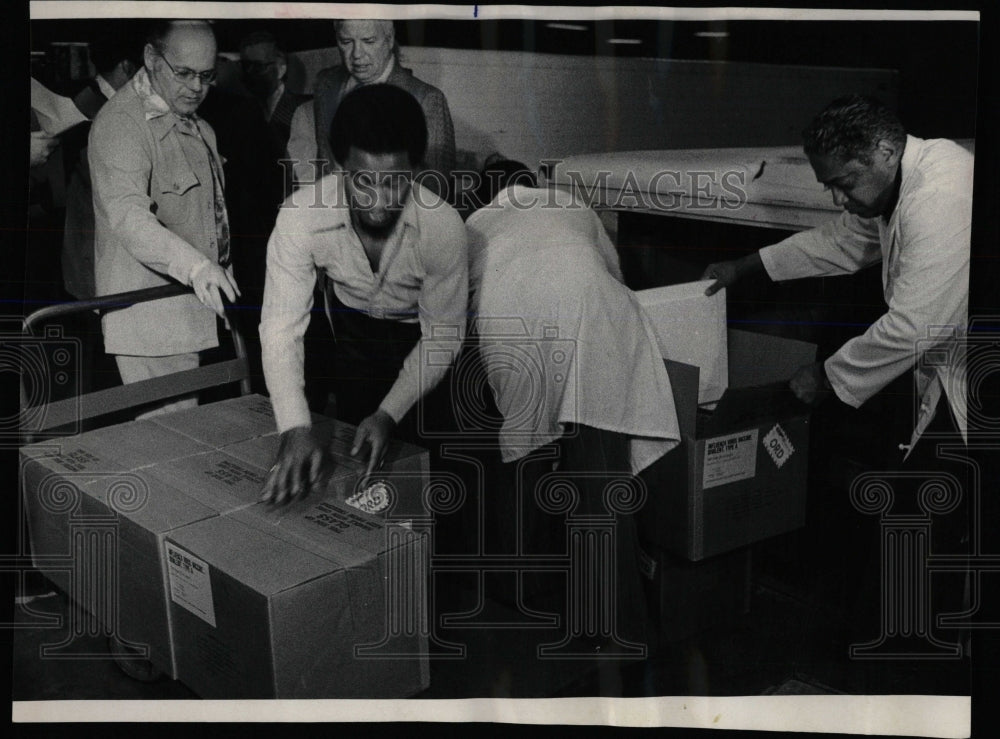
pixel 203 469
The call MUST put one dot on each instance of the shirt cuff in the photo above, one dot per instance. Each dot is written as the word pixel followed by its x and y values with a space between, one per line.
pixel 395 405
pixel 839 385
pixel 291 414
pixel 767 258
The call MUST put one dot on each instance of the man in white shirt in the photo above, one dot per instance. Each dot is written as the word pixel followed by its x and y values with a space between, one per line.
pixel 908 206
pixel 555 324
pixel 392 257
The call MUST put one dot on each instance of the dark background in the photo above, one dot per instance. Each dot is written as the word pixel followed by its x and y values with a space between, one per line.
pixel 935 60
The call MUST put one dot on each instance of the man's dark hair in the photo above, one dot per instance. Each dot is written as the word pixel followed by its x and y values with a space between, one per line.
pixel 379 119
pixel 850 128
pixel 261 37
pixel 108 50
pixel 499 175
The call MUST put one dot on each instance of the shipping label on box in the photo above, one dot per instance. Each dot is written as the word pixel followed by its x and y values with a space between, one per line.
pixel 190 584
pixel 729 458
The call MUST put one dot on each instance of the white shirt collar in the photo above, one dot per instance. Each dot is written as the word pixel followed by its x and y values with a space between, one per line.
pixel 352 82
pixel 272 102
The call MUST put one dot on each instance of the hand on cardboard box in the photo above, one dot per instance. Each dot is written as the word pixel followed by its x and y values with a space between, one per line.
pixel 297 469
pixel 375 431
pixel 810 384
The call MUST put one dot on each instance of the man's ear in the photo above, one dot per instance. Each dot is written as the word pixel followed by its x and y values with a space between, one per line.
pixel 282 66
pixel 148 55
pixel 887 151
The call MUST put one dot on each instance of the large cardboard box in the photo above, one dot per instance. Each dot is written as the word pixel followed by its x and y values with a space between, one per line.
pixel 96 520
pixel 53 474
pixel 100 506
pixel 309 600
pixel 127 587
pixel 739 474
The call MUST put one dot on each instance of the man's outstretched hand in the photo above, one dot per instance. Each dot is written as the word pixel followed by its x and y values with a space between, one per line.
pixel 297 469
pixel 375 431
pixel 727 274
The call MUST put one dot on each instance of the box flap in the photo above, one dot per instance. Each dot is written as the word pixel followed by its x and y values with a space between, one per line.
pixel 684 384
pixel 150 503
pixel 122 447
pixel 760 359
pixel 750 406
pixel 225 422
pixel 262 451
pixel 215 479
pixel 691 328
pixel 263 562
pixel 325 526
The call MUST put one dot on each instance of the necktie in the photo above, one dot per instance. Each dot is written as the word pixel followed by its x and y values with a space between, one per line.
pixel 221 218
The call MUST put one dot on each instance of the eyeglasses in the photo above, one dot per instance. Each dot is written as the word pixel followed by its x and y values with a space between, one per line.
pixel 187 76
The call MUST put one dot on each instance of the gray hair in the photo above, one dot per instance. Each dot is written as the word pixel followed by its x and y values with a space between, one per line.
pixel 386 25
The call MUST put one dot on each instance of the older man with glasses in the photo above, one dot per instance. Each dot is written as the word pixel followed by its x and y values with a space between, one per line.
pixel 159 207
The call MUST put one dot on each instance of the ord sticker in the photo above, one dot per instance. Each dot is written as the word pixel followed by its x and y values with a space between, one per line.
pixel 190 585
pixel 730 458
pixel 778 445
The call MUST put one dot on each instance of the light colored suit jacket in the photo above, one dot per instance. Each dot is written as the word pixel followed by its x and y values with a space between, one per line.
pixel 154 220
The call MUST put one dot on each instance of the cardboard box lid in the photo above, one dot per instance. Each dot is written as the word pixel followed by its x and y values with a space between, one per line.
pixel 262 451
pixel 151 504
pixel 215 479
pixel 250 555
pixel 690 327
pixel 224 422
pixel 122 447
pixel 757 359
pixel 326 527
pixel 760 366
